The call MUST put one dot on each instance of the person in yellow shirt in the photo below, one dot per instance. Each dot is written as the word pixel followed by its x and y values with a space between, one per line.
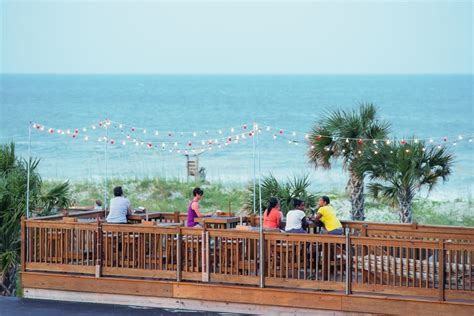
pixel 327 216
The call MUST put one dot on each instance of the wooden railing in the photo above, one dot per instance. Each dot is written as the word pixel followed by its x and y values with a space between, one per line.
pixel 439 269
pixel 410 231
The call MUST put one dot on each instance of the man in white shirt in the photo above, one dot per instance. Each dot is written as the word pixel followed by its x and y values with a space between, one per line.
pixel 119 208
pixel 296 218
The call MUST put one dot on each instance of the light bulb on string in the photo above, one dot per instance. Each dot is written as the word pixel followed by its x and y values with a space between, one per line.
pixel 374 142
pixel 93 126
pixel 157 133
pixel 194 134
pixel 220 132
pixel 144 131
pixel 120 126
pixel 460 137
pixel 86 138
pixel 416 141
pixel 268 128
pixel 306 136
pixel 347 140
pixel 274 137
pixel 431 140
pixel 387 142
pixel 84 129
pixel 294 134
pixel 124 143
pixel 68 131
pixel 232 130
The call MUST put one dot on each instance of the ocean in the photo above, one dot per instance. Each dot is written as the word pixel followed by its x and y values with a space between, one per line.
pixel 170 115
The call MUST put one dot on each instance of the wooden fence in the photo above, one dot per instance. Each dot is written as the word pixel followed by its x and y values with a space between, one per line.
pixel 438 269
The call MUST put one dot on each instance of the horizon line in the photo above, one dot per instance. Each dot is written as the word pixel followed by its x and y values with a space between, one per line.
pixel 237 74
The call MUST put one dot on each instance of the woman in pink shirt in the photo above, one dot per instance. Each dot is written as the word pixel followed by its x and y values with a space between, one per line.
pixel 272 215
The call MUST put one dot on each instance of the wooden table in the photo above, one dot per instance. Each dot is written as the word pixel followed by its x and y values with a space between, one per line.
pixel 221 222
pixel 137 218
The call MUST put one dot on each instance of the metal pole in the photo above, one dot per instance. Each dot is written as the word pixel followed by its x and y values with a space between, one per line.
pixel 262 277
pixel 254 171
pixel 105 154
pixel 28 174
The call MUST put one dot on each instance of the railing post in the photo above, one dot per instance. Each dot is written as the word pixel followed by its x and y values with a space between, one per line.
pixel 441 270
pixel 24 244
pixel 178 255
pixel 176 217
pixel 348 264
pixel 262 258
pixel 204 254
pixel 98 258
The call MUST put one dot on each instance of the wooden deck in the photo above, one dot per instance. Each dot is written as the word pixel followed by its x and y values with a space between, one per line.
pixel 376 269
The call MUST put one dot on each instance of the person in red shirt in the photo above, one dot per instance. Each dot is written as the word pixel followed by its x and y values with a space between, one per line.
pixel 272 215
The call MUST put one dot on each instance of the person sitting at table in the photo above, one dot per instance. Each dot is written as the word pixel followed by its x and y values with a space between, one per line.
pixel 119 208
pixel 193 208
pixel 326 215
pixel 272 215
pixel 98 205
pixel 296 218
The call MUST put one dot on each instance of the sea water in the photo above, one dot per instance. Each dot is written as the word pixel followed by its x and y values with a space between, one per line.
pixel 158 111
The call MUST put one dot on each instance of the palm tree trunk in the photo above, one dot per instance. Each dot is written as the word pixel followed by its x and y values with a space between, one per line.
pixel 406 212
pixel 8 281
pixel 356 184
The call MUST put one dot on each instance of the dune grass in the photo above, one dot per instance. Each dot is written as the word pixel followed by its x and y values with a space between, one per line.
pixel 174 195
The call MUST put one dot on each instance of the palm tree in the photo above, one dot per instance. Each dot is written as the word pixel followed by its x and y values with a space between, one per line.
pixel 13 184
pixel 344 135
pixel 400 169
pixel 295 187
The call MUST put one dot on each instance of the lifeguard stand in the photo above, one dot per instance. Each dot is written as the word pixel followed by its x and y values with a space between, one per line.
pixel 192 166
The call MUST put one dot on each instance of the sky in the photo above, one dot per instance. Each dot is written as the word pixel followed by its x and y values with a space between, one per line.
pixel 224 37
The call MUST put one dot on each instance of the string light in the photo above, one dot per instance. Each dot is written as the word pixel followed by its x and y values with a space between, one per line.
pixel 209 144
